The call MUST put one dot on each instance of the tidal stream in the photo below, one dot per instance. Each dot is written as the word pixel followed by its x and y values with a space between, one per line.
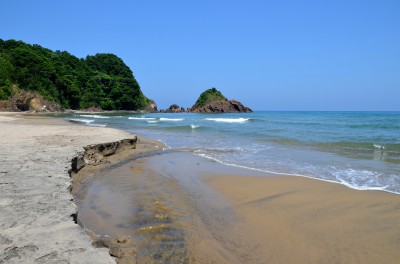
pixel 160 202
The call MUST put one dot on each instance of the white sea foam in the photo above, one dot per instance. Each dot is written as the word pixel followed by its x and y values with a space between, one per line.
pixel 194 126
pixel 229 120
pixel 359 179
pixel 98 125
pixel 95 116
pixel 349 183
pixel 152 121
pixel 141 118
pixel 379 146
pixel 75 120
pixel 171 119
pixel 364 187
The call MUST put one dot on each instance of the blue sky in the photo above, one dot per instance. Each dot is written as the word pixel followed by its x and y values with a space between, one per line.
pixel 270 55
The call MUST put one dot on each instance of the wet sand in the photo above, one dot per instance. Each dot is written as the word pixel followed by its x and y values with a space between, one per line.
pixel 181 208
pixel 301 220
pixel 160 203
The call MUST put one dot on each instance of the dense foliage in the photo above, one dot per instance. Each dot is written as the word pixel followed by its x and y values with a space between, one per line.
pixel 208 96
pixel 101 81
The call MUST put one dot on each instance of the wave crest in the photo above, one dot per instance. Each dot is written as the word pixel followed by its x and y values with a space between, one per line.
pixel 171 119
pixel 229 120
pixel 141 118
pixel 84 121
pixel 95 116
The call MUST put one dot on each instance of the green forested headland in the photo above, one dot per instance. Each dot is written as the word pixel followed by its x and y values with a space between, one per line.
pixel 208 96
pixel 102 80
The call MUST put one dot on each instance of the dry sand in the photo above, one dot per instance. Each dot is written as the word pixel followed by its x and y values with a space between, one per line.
pixel 301 220
pixel 35 204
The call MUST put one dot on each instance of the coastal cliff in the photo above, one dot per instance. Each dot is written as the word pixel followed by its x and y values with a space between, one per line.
pixel 213 101
pixel 28 101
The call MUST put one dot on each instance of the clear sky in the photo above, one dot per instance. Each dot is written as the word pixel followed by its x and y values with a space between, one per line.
pixel 270 55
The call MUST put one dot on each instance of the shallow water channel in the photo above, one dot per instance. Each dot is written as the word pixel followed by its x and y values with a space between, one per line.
pixel 161 203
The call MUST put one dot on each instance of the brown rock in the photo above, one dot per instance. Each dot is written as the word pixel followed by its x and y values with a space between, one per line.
pixel 5 105
pixel 174 109
pixel 121 248
pixel 29 101
pixel 152 107
pixel 239 106
pixel 213 101
pixel 222 106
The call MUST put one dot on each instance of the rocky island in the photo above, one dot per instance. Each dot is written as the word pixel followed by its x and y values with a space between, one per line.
pixel 213 101
pixel 174 108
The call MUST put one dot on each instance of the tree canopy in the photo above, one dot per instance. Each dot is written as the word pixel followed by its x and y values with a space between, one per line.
pixel 102 80
pixel 208 96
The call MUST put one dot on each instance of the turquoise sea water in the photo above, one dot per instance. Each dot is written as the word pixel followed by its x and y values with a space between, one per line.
pixel 358 149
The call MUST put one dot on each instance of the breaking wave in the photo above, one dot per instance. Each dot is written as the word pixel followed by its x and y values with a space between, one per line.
pixel 229 120
pixel 95 116
pixel 171 119
pixel 82 121
pixel 141 118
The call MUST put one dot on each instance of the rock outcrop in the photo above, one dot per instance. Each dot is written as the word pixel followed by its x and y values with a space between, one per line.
pixel 222 106
pixel 29 101
pixel 212 101
pixel 122 248
pixel 174 109
pixel 152 107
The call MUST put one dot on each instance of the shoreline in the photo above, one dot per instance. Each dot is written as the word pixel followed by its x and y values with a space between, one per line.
pixel 360 166
pixel 283 174
pixel 252 198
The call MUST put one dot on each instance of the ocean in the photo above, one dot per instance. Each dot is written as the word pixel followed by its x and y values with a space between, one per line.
pixel 358 149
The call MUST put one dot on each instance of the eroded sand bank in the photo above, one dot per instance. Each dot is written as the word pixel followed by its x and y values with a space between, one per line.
pixel 35 202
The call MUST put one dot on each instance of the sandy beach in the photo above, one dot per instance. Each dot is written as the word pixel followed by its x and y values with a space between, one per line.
pixel 301 220
pixel 35 201
pixel 174 205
